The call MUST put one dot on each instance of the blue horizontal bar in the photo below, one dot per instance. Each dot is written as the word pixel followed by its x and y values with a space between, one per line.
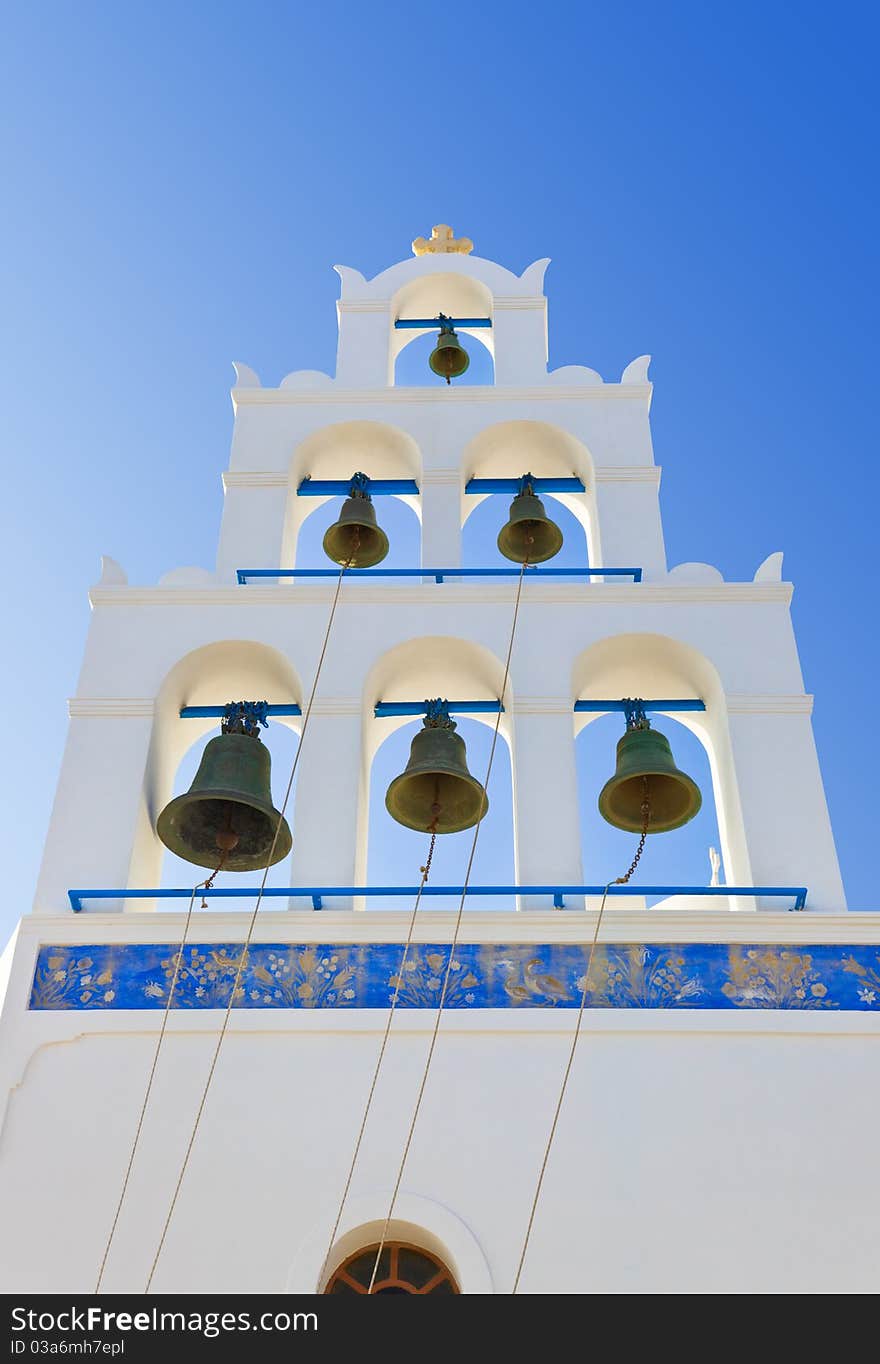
pixel 204 712
pixel 512 485
pixel 647 705
pixel 438 574
pixel 386 708
pixel 339 487
pixel 317 893
pixel 433 323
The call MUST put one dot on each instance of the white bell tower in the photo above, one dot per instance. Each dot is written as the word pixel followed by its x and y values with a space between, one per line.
pixel 720 1026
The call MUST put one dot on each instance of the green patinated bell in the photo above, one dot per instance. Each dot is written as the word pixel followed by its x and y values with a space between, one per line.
pixel 356 539
pixel 437 784
pixel 449 358
pixel 228 809
pixel 644 755
pixel 529 534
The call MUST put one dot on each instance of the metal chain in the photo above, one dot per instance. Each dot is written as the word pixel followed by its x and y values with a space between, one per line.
pixel 646 819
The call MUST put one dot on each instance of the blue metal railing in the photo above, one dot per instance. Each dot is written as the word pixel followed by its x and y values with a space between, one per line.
pixel 318 893
pixel 341 487
pixel 408 487
pixel 602 706
pixel 244 575
pixel 513 485
pixel 433 323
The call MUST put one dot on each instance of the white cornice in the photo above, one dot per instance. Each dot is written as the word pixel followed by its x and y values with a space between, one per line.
pixel 543 705
pixel 363 305
pixel 110 706
pixel 606 473
pixel 254 478
pixel 472 593
pixel 510 305
pixel 495 393
pixel 342 705
pixel 342 926
pixel 441 478
pixel 628 473
pixel 739 704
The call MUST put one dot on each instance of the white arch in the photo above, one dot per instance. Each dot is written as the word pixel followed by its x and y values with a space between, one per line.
pixel 376 449
pixel 508 449
pixel 228 670
pixel 429 666
pixel 456 295
pixel 648 665
pixel 421 1221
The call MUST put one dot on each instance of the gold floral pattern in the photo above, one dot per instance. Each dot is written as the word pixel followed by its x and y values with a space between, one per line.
pixel 418 982
pixel 480 976
pixel 642 977
pixel 775 978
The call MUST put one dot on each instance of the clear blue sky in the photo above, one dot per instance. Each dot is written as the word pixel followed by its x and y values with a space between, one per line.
pixel 179 179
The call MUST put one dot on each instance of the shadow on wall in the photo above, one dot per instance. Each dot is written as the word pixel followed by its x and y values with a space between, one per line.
pixel 412 370
pixel 396 854
pixel 678 858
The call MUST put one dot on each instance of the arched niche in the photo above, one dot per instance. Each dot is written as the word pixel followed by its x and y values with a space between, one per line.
pixel 376 449
pixel 456 295
pixel 456 669
pixel 649 666
pixel 417 1220
pixel 510 449
pixel 229 670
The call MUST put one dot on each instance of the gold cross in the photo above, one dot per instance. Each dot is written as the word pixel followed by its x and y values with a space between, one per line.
pixel 442 241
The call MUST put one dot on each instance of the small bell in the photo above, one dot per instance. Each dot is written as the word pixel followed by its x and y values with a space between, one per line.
pixel 356 539
pixel 227 816
pixel 449 358
pixel 646 769
pixel 436 793
pixel 529 535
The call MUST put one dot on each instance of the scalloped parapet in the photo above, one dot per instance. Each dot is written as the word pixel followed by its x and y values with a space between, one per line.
pixel 770 571
pixel 112 573
pixel 695 574
pixel 574 375
pixel 459 286
pixel 306 380
pixel 636 371
pixel 245 377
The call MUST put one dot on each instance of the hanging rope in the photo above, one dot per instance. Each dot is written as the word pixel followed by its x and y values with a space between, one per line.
pixel 247 942
pixel 425 870
pixel 150 1078
pixel 454 943
pixel 619 881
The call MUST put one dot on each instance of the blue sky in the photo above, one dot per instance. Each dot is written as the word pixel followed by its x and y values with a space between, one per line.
pixel 179 180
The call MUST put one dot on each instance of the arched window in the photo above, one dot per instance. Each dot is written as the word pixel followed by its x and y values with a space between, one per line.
pixel 402 1269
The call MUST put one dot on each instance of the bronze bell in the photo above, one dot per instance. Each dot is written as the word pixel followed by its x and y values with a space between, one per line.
pixel 646 771
pixel 356 539
pixel 529 535
pixel 227 816
pixel 436 792
pixel 449 358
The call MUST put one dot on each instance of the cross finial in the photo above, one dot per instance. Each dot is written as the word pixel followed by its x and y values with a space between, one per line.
pixel 442 241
